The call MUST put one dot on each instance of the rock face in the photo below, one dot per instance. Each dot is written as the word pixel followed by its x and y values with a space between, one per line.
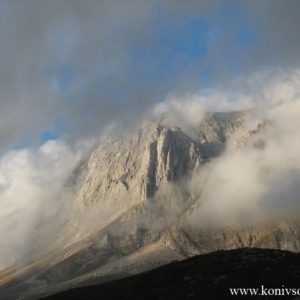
pixel 255 136
pixel 216 129
pixel 139 182
pixel 135 193
pixel 125 173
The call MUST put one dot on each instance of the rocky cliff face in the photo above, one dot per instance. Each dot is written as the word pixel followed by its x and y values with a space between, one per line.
pixel 152 166
pixel 134 187
pixel 139 182
pixel 124 174
pixel 134 168
pixel 215 130
pixel 128 171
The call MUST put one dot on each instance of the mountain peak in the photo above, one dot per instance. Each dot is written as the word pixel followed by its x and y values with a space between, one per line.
pixel 134 204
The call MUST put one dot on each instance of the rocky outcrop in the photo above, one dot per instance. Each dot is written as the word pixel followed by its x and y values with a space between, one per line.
pixel 135 166
pixel 138 181
pixel 121 174
pixel 216 129
pixel 255 137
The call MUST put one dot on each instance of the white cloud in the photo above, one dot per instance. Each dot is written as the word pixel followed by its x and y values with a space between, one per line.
pixel 36 199
pixel 247 185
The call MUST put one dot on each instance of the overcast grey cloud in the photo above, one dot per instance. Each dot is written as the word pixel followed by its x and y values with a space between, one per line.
pixel 39 40
pixel 278 25
pixel 70 66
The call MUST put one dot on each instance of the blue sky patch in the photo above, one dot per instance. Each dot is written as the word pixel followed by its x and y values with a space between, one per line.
pixel 176 43
pixel 48 135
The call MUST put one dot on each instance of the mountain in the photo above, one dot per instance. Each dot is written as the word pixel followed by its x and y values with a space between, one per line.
pixel 134 204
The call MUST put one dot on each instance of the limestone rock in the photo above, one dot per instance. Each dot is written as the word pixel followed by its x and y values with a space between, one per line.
pixel 123 173
pixel 216 128
pixel 254 137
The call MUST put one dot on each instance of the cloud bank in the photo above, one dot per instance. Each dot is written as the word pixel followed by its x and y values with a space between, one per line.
pixel 252 183
pixel 36 199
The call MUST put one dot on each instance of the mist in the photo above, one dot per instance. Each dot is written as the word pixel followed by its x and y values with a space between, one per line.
pixel 37 197
pixel 257 181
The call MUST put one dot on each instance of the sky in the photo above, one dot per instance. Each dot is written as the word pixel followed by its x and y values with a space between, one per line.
pixel 71 68
pixel 72 71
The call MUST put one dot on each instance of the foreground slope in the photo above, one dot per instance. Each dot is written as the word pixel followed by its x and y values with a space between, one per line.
pixel 209 276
